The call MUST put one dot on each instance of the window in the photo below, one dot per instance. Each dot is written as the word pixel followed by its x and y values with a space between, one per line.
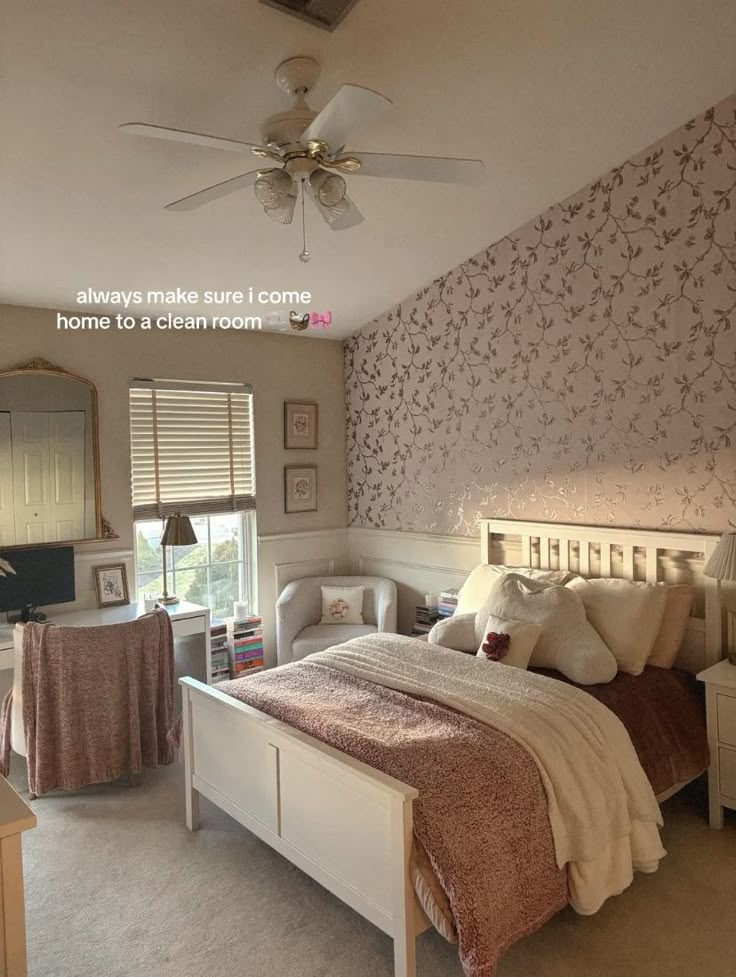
pixel 215 571
pixel 192 452
pixel 191 448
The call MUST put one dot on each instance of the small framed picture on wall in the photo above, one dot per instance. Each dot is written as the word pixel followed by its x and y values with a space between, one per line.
pixel 300 424
pixel 111 585
pixel 300 488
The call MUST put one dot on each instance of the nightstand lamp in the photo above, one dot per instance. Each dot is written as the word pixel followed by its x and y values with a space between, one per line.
pixel 722 566
pixel 178 531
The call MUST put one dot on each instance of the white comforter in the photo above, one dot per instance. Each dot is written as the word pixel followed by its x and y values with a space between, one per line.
pixel 603 813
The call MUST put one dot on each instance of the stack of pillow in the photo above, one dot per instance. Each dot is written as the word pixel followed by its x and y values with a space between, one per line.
pixel 587 629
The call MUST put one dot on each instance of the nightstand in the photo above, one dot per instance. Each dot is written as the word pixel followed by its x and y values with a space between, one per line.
pixel 720 685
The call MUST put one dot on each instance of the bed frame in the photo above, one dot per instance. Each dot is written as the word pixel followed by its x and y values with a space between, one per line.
pixel 633 554
pixel 347 825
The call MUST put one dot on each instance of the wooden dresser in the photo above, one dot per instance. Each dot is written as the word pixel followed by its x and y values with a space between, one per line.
pixel 15 818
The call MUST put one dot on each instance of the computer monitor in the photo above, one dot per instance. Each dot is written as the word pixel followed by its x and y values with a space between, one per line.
pixel 42 576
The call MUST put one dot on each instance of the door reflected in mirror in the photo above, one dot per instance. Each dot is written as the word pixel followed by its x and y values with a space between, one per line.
pixel 49 472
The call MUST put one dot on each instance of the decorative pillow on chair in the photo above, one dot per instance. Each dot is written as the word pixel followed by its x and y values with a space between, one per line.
pixel 568 642
pixel 674 625
pixel 474 592
pixel 342 605
pixel 509 642
pixel 626 614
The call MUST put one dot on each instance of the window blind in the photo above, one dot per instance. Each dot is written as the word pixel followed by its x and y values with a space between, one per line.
pixel 191 448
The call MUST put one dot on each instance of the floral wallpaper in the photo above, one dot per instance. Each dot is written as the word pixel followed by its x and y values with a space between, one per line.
pixel 581 369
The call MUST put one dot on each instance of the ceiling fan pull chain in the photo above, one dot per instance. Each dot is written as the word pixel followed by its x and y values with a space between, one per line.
pixel 304 256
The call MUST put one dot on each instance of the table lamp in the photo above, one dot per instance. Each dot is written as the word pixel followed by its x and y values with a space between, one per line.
pixel 722 566
pixel 178 531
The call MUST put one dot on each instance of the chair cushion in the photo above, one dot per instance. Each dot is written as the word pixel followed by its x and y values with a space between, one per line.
pixel 319 637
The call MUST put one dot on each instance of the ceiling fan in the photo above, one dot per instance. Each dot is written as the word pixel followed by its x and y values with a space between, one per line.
pixel 309 148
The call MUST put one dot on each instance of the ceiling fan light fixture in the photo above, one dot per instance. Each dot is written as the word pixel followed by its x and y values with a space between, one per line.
pixel 329 188
pixel 283 210
pixel 271 186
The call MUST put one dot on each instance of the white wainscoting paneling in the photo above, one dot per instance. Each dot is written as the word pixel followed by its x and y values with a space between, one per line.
pixel 418 562
pixel 283 557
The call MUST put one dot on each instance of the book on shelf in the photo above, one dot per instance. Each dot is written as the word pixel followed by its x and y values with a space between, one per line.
pixel 219 652
pixel 426 614
pixel 245 644
pixel 447 603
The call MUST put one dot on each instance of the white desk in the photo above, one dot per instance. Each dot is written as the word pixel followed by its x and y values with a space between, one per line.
pixel 186 619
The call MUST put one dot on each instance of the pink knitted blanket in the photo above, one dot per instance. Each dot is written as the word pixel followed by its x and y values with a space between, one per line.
pixel 97 702
pixel 481 815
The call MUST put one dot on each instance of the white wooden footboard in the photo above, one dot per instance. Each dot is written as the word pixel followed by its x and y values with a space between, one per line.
pixel 345 824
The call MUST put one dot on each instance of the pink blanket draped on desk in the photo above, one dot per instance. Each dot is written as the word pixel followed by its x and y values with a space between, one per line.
pixel 97 701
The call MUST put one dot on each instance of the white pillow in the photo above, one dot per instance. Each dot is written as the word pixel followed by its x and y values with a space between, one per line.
pixel 474 592
pixel 523 636
pixel 568 642
pixel 626 614
pixel 342 605
pixel 456 633
pixel 674 625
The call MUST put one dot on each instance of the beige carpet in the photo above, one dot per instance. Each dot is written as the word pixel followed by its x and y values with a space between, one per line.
pixel 116 887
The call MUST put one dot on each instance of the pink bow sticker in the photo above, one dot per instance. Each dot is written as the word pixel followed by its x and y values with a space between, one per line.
pixel 321 320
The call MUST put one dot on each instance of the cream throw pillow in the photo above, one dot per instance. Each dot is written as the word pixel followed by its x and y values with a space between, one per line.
pixel 523 636
pixel 474 592
pixel 674 625
pixel 342 605
pixel 626 614
pixel 568 642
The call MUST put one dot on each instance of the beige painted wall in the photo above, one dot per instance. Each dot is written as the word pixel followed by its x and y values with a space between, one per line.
pixel 277 367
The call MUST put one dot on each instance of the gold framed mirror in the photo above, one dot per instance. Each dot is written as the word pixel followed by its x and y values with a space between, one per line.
pixel 50 488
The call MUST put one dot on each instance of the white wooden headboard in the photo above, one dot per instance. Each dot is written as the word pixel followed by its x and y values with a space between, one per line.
pixel 633 554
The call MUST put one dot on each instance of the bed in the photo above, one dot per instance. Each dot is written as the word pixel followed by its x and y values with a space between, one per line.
pixel 309 800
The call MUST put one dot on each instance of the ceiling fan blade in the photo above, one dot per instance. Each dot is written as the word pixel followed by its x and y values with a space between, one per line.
pixel 434 169
pixel 214 192
pixel 182 135
pixel 352 108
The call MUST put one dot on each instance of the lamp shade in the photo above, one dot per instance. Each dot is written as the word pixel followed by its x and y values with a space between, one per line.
pixel 722 563
pixel 178 531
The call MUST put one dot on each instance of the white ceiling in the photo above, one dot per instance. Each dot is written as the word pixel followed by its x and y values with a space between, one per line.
pixel 549 94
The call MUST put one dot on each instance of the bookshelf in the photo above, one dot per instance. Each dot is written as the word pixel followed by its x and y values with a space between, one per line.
pixel 245 644
pixel 426 616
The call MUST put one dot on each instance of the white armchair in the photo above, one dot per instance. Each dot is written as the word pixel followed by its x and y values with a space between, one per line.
pixel 299 612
